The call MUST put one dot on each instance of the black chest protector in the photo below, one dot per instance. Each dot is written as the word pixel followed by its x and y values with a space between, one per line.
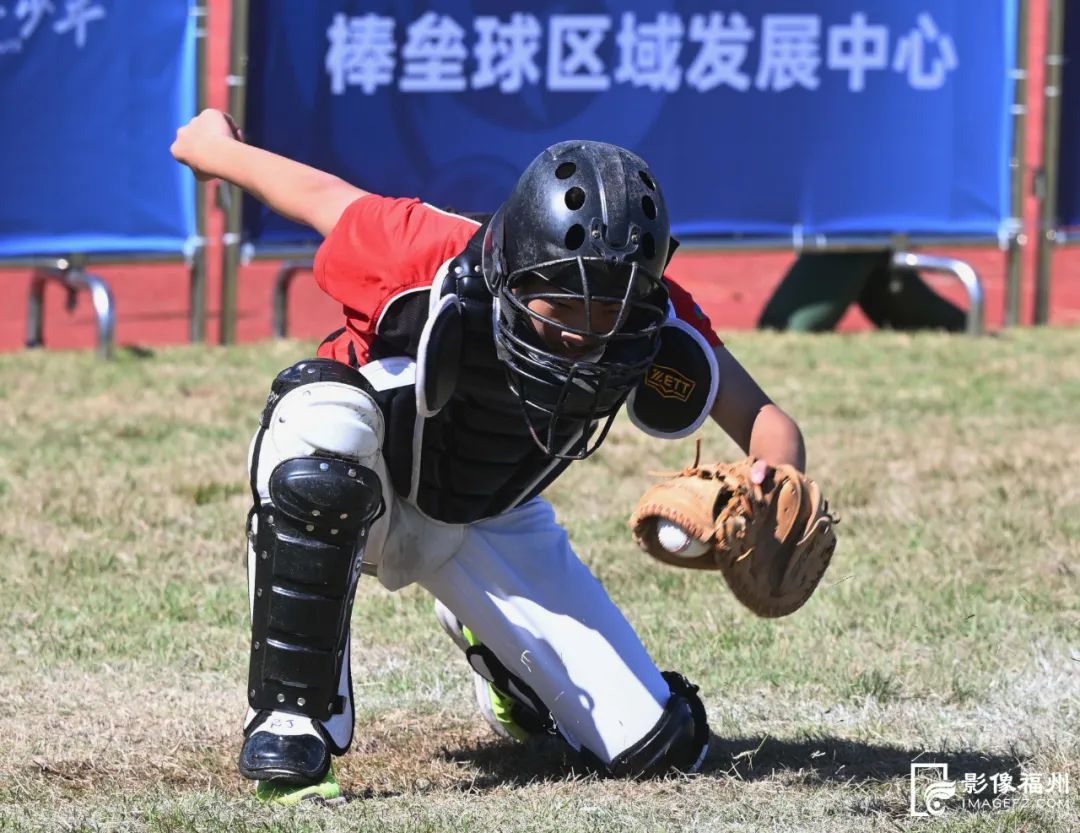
pixel 457 443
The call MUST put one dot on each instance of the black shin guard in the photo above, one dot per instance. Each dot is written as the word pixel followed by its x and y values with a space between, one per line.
pixel 308 548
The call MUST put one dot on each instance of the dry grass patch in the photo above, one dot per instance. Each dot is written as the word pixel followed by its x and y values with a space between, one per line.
pixel 948 627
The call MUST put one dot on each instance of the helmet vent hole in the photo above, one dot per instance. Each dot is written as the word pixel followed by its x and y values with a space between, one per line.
pixel 565 170
pixel 647 180
pixel 648 246
pixel 649 207
pixel 575 237
pixel 575 198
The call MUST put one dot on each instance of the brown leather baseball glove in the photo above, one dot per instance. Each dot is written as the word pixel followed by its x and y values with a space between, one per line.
pixel 772 541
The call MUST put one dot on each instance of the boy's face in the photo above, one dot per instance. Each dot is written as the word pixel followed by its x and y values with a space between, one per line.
pixel 569 311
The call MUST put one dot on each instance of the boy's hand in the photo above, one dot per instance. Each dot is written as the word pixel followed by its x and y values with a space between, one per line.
pixel 195 140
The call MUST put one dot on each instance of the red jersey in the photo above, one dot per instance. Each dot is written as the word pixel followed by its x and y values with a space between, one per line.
pixel 384 249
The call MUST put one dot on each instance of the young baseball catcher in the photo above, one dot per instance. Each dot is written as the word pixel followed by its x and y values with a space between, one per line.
pixel 477 360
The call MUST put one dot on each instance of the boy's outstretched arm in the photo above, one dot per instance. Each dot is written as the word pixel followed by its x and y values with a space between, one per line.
pixel 751 419
pixel 210 145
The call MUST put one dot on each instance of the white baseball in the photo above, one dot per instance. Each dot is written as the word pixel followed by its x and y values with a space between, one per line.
pixel 677 541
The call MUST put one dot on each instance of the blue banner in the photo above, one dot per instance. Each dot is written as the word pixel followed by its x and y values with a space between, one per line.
pixel 1069 137
pixel 779 118
pixel 91 94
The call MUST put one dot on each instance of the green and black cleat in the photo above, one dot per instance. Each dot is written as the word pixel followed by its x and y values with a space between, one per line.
pixel 325 793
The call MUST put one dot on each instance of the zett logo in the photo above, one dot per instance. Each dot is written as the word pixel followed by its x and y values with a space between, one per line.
pixel 669 383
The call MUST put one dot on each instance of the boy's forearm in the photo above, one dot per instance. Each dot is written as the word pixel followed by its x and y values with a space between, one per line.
pixel 776 438
pixel 290 188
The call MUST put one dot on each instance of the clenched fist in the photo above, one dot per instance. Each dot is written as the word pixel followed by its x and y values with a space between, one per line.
pixel 196 139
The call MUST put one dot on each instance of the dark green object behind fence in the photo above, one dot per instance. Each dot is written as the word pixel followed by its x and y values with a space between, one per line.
pixel 819 287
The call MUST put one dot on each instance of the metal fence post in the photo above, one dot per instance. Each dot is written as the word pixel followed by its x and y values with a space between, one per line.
pixel 234 202
pixel 1047 181
pixel 197 271
pixel 1014 257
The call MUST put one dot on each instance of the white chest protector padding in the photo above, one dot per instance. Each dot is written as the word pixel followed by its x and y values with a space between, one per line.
pixel 679 389
pixel 439 354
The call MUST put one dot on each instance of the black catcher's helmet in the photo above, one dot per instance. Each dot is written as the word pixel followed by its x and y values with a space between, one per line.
pixel 589 220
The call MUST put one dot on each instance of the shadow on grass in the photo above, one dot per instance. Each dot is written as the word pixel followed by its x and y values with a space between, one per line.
pixel 508 763
pixel 136 351
pixel 839 759
pixel 817 760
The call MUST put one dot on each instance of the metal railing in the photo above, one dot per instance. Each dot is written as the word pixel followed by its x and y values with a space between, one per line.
pixel 959 269
pixel 74 279
pixel 280 301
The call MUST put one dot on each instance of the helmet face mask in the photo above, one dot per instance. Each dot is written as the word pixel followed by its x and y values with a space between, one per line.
pixel 574 259
pixel 593 301
pixel 564 397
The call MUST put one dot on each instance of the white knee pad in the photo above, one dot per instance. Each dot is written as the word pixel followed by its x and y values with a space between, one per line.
pixel 321 417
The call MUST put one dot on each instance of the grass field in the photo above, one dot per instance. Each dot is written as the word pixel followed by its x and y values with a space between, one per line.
pixel 946 630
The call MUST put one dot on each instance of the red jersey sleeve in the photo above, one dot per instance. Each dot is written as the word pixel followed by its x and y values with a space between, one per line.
pixel 686 309
pixel 381 247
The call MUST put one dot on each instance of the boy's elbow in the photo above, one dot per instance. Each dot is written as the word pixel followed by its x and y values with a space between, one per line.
pixel 327 204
